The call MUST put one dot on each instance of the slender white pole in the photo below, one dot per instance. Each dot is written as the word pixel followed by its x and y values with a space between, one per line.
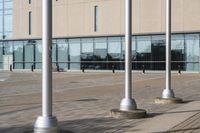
pixel 128 103
pixel 46 66
pixel 168 92
pixel 128 42
pixel 46 123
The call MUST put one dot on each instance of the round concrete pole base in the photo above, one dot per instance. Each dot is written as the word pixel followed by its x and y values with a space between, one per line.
pixel 132 114
pixel 46 125
pixel 174 100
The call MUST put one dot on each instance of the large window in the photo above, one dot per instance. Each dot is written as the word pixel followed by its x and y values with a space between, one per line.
pixel 62 53
pixel 38 54
pixel 177 52
pixel 5 19
pixel 54 56
pixel 158 52
pixel 74 53
pixel 192 52
pixel 100 53
pixel 18 55
pixel 143 52
pixel 114 49
pixel 114 52
pixel 87 53
pixel 1 55
pixel 106 52
pixel 8 47
pixel 29 54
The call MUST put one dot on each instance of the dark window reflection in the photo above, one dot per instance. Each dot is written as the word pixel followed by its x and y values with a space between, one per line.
pixel 114 52
pixel 87 53
pixel 100 53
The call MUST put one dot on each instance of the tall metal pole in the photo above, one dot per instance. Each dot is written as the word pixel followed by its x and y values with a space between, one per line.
pixel 46 56
pixel 168 92
pixel 128 103
pixel 46 122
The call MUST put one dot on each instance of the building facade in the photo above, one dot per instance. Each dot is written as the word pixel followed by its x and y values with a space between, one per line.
pixel 90 34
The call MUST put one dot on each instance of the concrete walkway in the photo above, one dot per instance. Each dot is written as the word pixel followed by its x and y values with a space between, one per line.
pixel 183 119
pixel 82 102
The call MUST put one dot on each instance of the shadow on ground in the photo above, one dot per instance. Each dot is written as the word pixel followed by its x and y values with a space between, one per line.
pixel 189 130
pixel 90 125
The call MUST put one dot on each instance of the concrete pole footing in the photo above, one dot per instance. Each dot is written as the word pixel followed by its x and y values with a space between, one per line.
pixel 132 114
pixel 174 100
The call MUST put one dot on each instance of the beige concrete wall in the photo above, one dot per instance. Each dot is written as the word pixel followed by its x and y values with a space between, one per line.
pixel 76 17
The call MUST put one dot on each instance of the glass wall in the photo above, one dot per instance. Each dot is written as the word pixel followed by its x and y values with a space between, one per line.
pixel 100 53
pixel 87 53
pixel 5 19
pixel 29 54
pixel 38 54
pixel 177 52
pixel 18 53
pixel 1 55
pixel 8 48
pixel 63 53
pixel 143 52
pixel 192 52
pixel 74 54
pixel 106 53
pixel 114 52
pixel 158 52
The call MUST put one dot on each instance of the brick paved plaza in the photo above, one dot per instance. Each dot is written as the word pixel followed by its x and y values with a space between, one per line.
pixel 82 102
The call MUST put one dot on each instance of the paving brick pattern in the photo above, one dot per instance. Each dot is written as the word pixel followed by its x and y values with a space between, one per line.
pixel 82 101
pixel 191 125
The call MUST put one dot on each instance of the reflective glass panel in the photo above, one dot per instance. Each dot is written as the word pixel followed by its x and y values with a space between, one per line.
pixel 28 52
pixel 192 52
pixel 62 45
pixel 100 53
pixel 143 48
pixel 1 56
pixel 87 53
pixel 114 49
pixel 74 53
pixel 18 54
pixel 8 48
pixel 38 54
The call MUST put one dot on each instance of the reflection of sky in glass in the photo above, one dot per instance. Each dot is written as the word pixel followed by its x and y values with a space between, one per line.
pixel 62 50
pixel 8 48
pixel 87 45
pixel 1 53
pixel 7 18
pixel 144 44
pixel 38 51
pixel 192 50
pixel 74 49
pixel 18 51
pixel 101 47
pixel 114 45
pixel 177 42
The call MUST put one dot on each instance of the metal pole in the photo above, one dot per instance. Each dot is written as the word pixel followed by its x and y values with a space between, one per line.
pixel 46 122
pixel 168 92
pixel 128 103
pixel 46 66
